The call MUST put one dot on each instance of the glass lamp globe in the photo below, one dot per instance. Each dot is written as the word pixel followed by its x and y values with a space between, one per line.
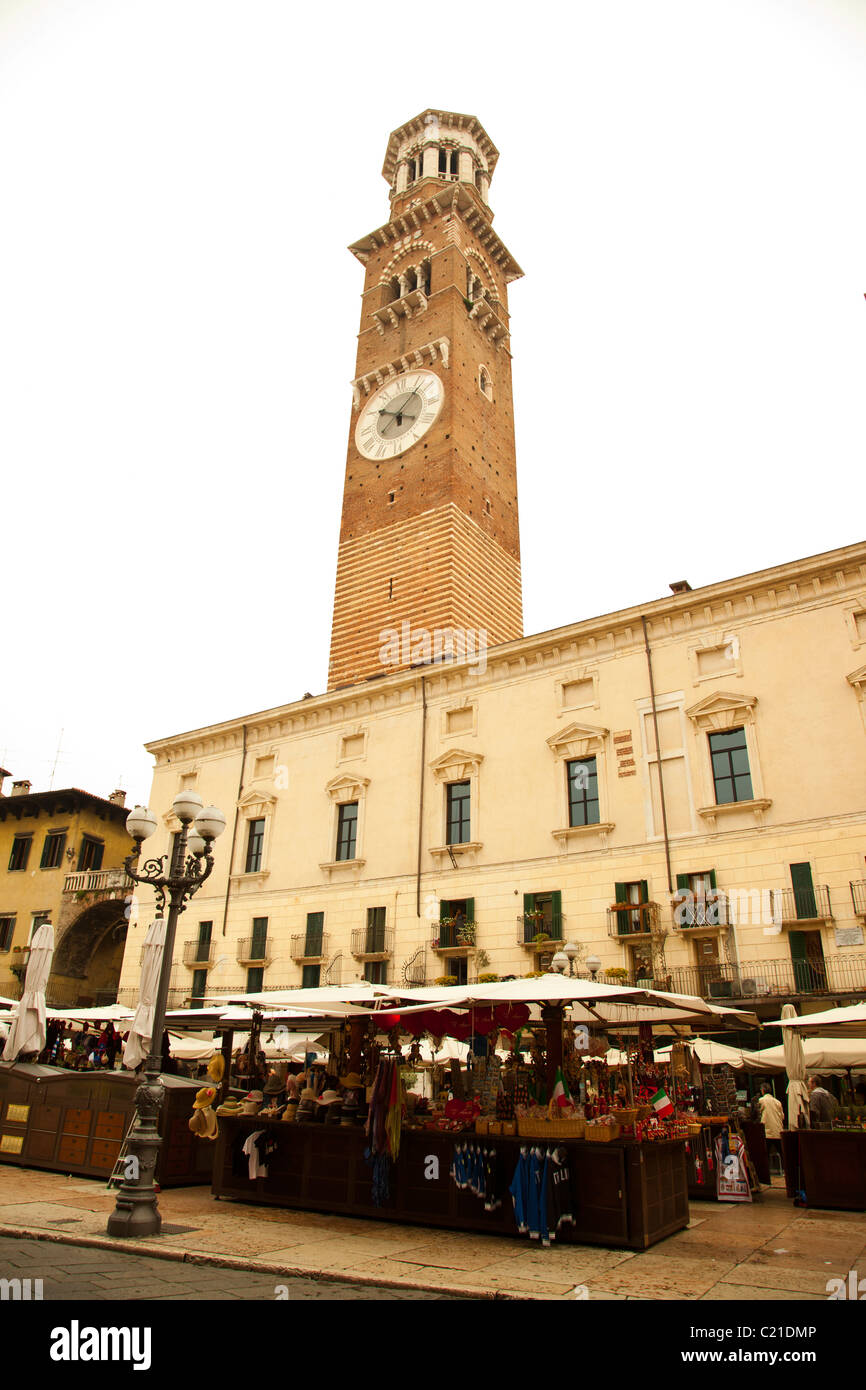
pixel 210 823
pixel 195 844
pixel 141 823
pixel 559 962
pixel 593 965
pixel 186 805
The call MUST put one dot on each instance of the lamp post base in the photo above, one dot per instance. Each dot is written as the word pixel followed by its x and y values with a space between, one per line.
pixel 135 1216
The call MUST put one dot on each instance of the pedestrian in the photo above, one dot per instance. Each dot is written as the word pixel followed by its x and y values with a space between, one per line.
pixel 772 1117
pixel 823 1108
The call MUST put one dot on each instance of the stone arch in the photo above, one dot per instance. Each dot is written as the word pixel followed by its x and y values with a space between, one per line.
pixel 483 263
pixel 88 956
pixel 426 247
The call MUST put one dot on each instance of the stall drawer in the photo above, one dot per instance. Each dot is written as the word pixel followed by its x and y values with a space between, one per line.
pixel 72 1149
pixel 40 1144
pixel 110 1124
pixel 46 1117
pixel 77 1121
pixel 103 1154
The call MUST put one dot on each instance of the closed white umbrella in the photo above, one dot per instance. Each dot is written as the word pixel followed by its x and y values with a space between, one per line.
pixel 795 1066
pixel 139 1040
pixel 27 1033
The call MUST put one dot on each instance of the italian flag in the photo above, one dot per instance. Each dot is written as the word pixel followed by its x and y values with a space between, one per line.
pixel 561 1094
pixel 661 1103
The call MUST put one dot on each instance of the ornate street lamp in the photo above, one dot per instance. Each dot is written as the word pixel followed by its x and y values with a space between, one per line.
pixel 136 1212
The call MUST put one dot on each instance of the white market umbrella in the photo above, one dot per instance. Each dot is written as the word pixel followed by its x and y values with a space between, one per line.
pixel 190 1049
pixel 710 1054
pixel 109 1013
pixel 139 1041
pixel 824 1056
pixel 795 1066
pixel 27 1033
pixel 839 1023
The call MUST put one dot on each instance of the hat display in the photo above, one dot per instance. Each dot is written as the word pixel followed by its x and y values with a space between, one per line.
pixel 229 1106
pixel 252 1104
pixel 203 1123
pixel 352 1082
pixel 329 1098
pixel 307 1107
pixel 274 1086
pixel 206 1096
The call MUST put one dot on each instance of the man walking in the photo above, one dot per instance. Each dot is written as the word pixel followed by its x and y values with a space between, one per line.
pixel 772 1117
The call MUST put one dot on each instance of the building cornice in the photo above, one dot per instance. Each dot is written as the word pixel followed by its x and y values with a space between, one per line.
pixel 449 197
pixel 808 583
pixel 454 120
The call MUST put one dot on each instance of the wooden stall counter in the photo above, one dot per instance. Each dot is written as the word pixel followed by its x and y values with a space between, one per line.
pixel 75 1122
pixel 623 1193
pixel 829 1165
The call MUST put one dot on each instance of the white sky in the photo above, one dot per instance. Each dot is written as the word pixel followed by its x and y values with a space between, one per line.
pixel 681 182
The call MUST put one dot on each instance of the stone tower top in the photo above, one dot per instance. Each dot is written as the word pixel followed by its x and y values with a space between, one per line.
pixel 443 145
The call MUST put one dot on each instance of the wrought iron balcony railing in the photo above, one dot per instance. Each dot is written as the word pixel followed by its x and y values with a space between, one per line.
pixel 372 943
pixel 540 932
pixel 199 953
pixel 308 948
pixel 253 950
pixel 691 911
pixel 454 938
pixel 802 904
pixel 858 896
pixel 632 919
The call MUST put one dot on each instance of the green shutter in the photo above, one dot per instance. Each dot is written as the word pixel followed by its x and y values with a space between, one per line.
pixel 619 893
pixel 470 909
pixel 528 902
pixel 556 896
pixel 804 893
pixel 683 883
pixel 444 910
pixel 644 891
pixel 712 878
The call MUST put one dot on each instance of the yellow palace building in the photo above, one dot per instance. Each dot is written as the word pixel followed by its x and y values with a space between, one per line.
pixel 676 789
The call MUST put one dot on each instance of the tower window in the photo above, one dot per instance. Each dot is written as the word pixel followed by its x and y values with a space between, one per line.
pixel 485 383
pixel 443 161
pixel 454 162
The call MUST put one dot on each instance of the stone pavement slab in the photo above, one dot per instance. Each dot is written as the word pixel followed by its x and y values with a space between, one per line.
pixel 728 1251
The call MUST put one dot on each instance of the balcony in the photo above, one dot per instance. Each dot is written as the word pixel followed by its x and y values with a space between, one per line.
pixel 372 944
pixel 199 954
pixel 772 979
pixel 415 302
pixel 253 950
pixel 793 906
pixel 539 933
pixel 858 896
pixel 97 881
pixel 309 950
pixel 632 919
pixel 452 940
pixel 693 913
pixel 489 321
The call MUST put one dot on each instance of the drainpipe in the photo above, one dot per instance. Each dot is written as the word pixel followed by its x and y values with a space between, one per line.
pixel 421 794
pixel 649 662
pixel 235 830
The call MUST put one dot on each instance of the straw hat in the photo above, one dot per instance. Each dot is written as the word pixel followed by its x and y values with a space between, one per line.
pixel 204 1124
pixel 352 1082
pixel 205 1097
pixel 274 1086
pixel 328 1098
pixel 216 1067
pixel 229 1107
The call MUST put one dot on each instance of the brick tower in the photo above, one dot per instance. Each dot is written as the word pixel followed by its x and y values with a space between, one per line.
pixel 429 539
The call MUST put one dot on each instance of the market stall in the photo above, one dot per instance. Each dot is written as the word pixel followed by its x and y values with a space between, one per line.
pixel 549 1141
pixel 827 1167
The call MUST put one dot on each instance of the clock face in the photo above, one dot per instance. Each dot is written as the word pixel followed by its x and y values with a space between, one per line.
pixel 399 414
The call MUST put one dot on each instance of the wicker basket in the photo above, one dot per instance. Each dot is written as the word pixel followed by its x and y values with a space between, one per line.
pixel 483 1125
pixel 693 1131
pixel 601 1134
pixel 507 1126
pixel 625 1116
pixel 550 1129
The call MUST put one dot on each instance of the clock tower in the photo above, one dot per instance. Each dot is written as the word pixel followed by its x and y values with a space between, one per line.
pixel 429 540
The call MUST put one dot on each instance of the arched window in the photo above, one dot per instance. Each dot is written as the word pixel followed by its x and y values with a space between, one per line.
pixel 485 382
pixel 393 289
pixel 453 162
pixel 424 283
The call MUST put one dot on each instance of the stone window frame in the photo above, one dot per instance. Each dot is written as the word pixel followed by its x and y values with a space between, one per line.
pixel 359 731
pixel 673 700
pixel 852 611
pixel 484 370
pixel 455 707
pixel 716 641
pixel 255 804
pixel 579 673
pixel 722 712
pixel 458 765
pixel 857 680
pixel 574 742
pixel 341 790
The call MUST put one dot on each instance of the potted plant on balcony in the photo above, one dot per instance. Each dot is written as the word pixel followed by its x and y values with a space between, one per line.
pixel 617 972
pixel 445 980
pixel 466 934
pixel 539 937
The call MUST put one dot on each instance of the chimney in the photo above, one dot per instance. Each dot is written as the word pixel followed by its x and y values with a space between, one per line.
pixel 682 586
pixel 21 788
pixel 118 798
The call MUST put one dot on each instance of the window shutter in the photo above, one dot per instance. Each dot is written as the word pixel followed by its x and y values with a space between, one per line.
pixel 644 891
pixel 470 909
pixel 712 878
pixel 683 884
pixel 619 893
pixel 556 903
pixel 528 902
pixel 444 910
